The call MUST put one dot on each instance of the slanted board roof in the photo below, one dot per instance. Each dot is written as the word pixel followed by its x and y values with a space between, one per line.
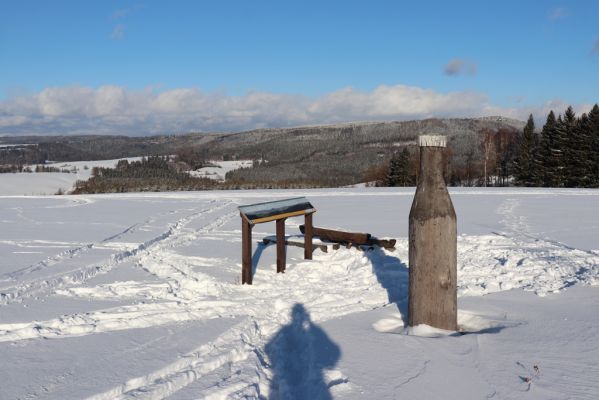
pixel 272 210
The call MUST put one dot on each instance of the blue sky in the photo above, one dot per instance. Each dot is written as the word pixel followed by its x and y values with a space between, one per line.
pixel 161 63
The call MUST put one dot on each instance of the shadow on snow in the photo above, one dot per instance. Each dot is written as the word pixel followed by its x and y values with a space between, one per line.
pixel 299 353
pixel 257 254
pixel 392 274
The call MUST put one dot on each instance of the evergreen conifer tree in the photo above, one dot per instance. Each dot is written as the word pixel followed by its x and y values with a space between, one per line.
pixel 399 169
pixel 545 163
pixel 569 146
pixel 524 171
pixel 594 144
pixel 558 153
pixel 582 162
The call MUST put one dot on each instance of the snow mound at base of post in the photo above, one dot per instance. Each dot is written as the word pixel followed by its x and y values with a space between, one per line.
pixel 393 324
pixel 424 330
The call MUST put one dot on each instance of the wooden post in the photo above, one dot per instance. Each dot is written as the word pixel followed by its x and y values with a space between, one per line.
pixel 281 245
pixel 246 252
pixel 322 247
pixel 308 237
pixel 350 237
pixel 338 236
pixel 433 243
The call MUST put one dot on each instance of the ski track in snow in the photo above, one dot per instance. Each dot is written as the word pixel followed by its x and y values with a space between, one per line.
pixel 234 364
pixel 24 288
pixel 523 260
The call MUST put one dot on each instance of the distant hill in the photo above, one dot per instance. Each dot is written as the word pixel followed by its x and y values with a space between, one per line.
pixel 285 144
pixel 338 155
pixel 320 155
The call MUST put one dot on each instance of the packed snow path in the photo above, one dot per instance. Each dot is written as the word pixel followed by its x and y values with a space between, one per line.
pixel 84 269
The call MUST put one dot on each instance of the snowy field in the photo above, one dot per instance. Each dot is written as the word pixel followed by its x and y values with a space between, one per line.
pixel 220 169
pixel 48 183
pixel 139 296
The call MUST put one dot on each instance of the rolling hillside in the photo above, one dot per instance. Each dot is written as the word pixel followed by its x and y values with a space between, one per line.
pixel 322 155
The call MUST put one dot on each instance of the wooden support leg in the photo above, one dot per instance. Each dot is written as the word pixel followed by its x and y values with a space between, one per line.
pixel 281 262
pixel 246 252
pixel 308 237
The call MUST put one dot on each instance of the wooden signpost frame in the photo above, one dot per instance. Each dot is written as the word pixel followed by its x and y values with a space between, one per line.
pixel 277 211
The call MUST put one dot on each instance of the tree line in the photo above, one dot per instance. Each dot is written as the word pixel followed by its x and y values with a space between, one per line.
pixel 564 154
pixel 151 174
pixel 19 168
pixel 483 159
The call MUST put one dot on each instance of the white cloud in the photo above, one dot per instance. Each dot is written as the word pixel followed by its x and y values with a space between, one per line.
pixel 118 32
pixel 125 12
pixel 459 66
pixel 122 13
pixel 558 13
pixel 116 110
pixel 400 102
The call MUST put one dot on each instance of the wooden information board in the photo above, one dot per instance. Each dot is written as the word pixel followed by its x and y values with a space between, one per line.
pixel 278 211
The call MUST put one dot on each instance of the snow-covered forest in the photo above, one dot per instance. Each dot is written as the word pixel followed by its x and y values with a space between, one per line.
pixel 484 152
pixel 315 156
pixel 564 154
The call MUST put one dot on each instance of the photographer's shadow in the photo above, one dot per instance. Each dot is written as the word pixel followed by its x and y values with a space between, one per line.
pixel 299 353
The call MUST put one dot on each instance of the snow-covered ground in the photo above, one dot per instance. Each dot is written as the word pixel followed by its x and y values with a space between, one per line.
pixel 48 183
pixel 139 296
pixel 220 169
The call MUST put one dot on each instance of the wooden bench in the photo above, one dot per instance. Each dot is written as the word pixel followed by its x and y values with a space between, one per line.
pixel 278 211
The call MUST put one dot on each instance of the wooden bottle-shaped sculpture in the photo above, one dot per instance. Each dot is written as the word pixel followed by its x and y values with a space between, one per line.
pixel 433 243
